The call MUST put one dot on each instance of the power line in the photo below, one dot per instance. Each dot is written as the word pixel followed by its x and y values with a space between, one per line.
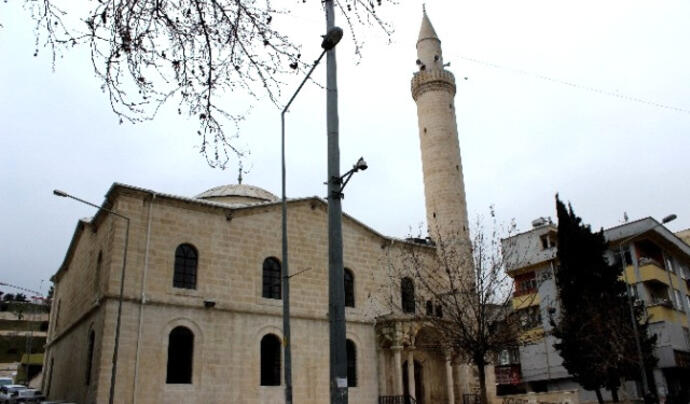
pixel 578 86
pixel 36 293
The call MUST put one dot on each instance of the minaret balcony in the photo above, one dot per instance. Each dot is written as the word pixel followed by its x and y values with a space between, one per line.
pixel 423 81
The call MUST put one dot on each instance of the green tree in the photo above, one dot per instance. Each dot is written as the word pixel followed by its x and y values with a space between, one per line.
pixel 597 341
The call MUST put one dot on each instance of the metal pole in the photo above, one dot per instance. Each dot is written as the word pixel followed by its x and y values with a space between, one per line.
pixel 113 373
pixel 287 350
pixel 643 373
pixel 336 291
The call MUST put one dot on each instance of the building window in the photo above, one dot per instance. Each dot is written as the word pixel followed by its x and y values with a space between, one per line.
pixel 57 316
pixel 548 240
pixel 89 356
pixel 349 288
pixel 97 275
pixel 407 295
pixel 669 265
pixel 679 300
pixel 186 259
pixel 525 284
pixel 529 317
pixel 429 308
pixel 271 278
pixel 439 311
pixel 351 363
pixel 180 356
pixel 270 360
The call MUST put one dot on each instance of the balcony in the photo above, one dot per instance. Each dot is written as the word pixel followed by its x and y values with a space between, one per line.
pixel 526 300
pixel 531 336
pixel 662 312
pixel 650 271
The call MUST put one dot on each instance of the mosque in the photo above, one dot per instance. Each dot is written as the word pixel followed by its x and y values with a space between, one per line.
pixel 201 319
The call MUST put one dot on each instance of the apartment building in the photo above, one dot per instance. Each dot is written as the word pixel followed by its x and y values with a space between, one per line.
pixel 657 266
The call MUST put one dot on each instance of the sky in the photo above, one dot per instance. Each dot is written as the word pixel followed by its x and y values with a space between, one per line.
pixel 587 99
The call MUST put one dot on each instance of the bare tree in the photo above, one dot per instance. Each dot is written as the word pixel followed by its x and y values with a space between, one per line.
pixel 189 52
pixel 467 301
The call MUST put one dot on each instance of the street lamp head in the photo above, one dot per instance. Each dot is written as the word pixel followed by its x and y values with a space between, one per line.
pixel 60 193
pixel 332 37
pixel 668 218
pixel 361 165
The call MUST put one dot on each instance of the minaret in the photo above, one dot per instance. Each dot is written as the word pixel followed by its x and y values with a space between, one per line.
pixel 433 89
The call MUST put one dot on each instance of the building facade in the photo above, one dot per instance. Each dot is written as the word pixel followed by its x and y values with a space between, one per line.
pixel 201 318
pixel 657 268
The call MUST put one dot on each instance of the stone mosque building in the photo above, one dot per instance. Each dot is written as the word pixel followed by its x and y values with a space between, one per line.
pixel 201 319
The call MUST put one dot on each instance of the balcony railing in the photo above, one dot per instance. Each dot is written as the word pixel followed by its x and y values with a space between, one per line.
pixel 661 302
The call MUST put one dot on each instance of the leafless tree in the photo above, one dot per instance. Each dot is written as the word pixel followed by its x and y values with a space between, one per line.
pixel 467 301
pixel 147 53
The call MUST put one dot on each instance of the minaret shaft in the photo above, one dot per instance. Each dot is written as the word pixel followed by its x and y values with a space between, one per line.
pixel 433 89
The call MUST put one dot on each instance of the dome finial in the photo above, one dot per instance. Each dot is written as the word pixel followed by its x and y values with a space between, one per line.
pixel 239 176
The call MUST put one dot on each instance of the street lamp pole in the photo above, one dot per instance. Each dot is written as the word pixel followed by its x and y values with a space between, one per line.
pixel 63 194
pixel 336 291
pixel 331 39
pixel 633 319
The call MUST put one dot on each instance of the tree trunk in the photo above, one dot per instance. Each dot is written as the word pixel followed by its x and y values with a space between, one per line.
pixel 614 394
pixel 482 381
pixel 599 398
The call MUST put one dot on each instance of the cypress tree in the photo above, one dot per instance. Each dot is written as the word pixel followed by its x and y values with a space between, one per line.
pixel 597 342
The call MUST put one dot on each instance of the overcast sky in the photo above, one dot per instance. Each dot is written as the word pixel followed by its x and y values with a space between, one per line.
pixel 524 135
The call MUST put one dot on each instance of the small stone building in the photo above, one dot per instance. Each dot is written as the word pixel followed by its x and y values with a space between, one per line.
pixel 201 314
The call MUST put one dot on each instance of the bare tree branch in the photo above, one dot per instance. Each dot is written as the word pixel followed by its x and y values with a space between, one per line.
pixel 199 54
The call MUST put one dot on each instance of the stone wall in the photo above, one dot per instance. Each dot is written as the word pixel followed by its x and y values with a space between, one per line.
pixel 232 245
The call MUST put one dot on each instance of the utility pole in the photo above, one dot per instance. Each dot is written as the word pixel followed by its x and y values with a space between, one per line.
pixel 336 290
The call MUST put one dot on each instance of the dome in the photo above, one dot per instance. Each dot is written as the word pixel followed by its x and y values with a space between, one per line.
pixel 237 194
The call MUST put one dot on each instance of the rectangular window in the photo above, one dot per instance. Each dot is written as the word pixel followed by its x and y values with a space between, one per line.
pixel 627 256
pixel 525 284
pixel 548 240
pixel 679 300
pixel 530 317
pixel 669 265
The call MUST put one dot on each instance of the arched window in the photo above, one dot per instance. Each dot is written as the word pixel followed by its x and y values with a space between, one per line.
pixel 407 295
pixel 97 275
pixel 429 308
pixel 270 360
pixel 180 356
pixel 351 363
pixel 349 288
pixel 186 259
pixel 89 356
pixel 271 278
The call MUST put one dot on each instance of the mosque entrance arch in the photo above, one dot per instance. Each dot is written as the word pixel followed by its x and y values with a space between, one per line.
pixel 418 383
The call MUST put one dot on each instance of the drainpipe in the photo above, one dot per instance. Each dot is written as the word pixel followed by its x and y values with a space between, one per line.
pixel 143 300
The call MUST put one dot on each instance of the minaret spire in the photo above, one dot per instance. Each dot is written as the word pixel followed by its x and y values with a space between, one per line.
pixel 429 53
pixel 433 89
